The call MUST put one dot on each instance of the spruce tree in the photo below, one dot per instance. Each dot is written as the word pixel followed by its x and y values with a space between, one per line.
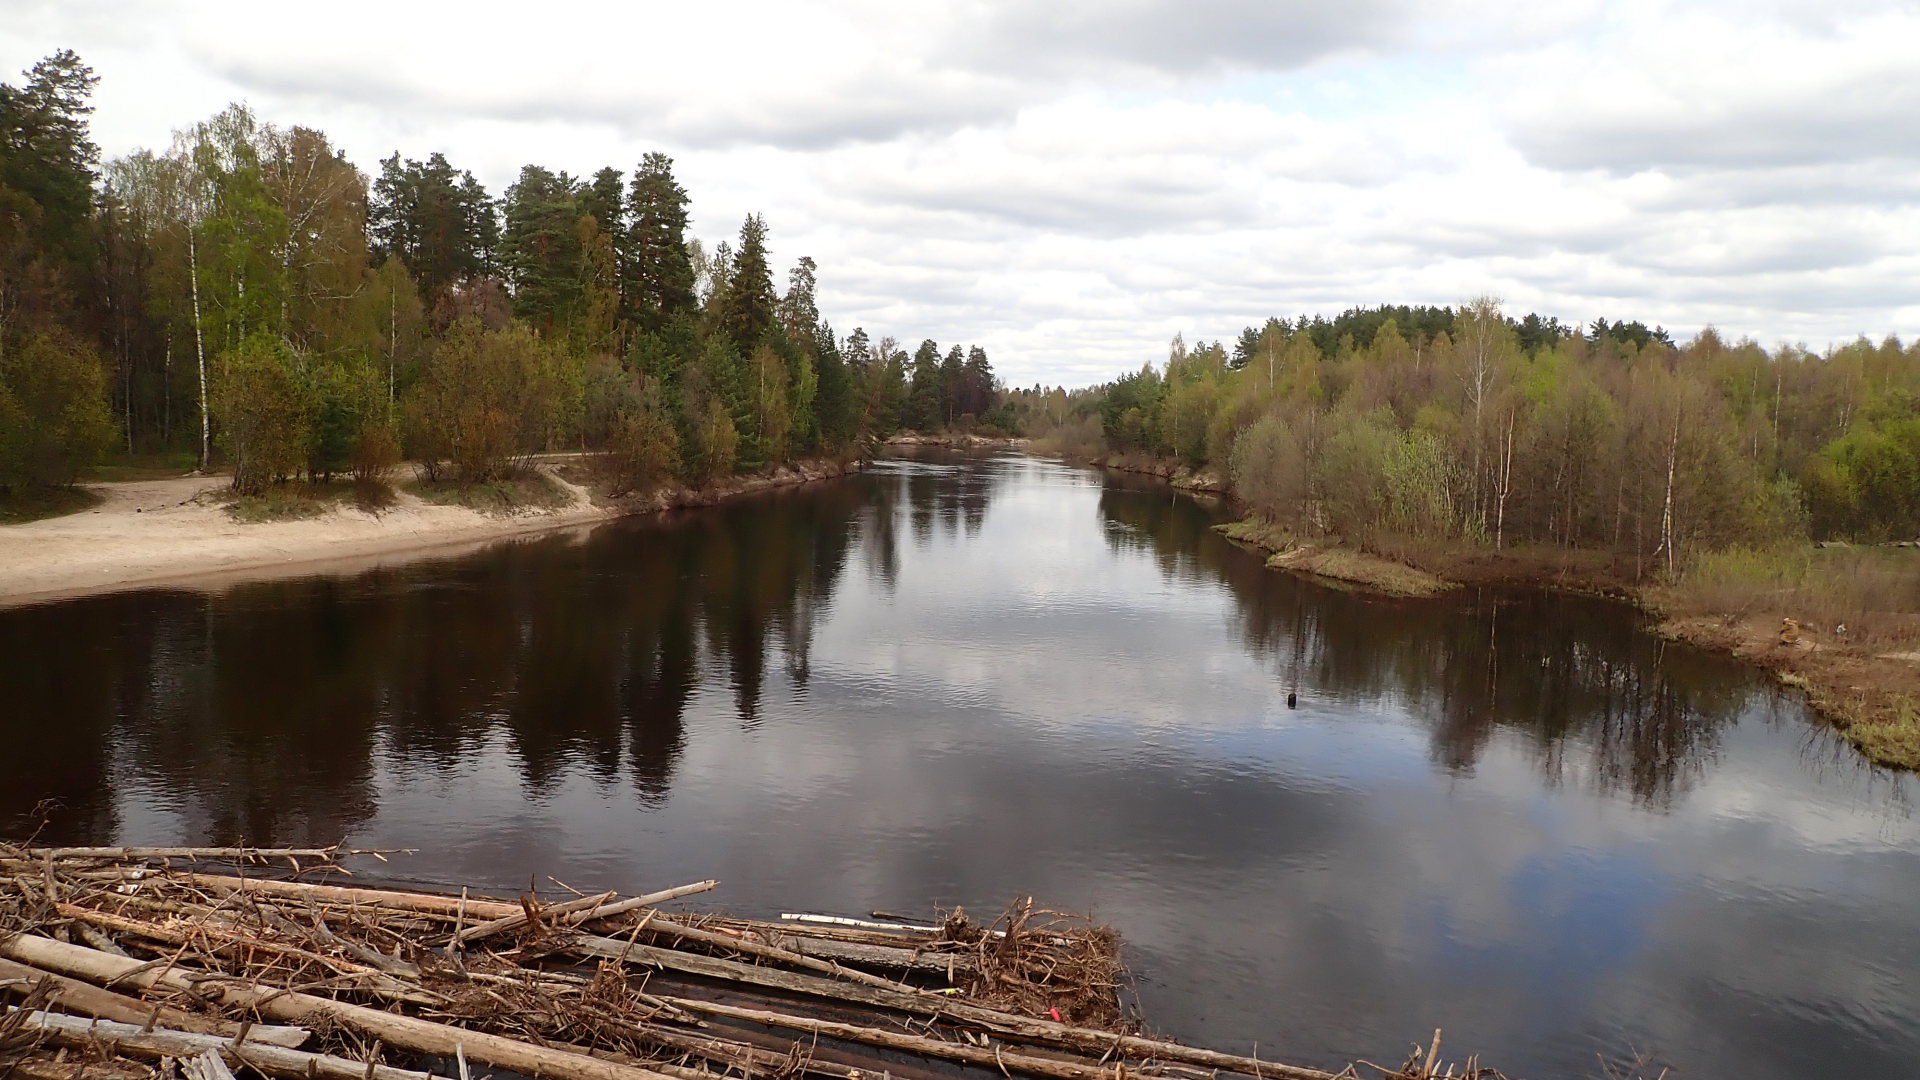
pixel 748 312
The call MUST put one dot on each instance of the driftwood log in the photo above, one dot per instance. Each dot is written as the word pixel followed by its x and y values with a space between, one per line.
pixel 119 958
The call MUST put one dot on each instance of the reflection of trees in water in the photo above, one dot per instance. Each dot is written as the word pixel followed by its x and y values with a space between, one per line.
pixel 1162 524
pixel 1594 694
pixel 879 528
pixel 243 721
pixel 945 496
pixel 59 705
pixel 256 714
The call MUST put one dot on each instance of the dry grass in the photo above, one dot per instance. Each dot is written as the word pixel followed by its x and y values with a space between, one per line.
pixel 521 492
pixel 300 501
pixel 1867 598
pixel 1336 561
pixel 1360 568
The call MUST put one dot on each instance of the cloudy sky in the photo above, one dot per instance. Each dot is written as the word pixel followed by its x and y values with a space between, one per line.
pixel 1069 183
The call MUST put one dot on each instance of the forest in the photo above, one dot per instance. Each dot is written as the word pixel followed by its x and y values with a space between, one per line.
pixel 1468 425
pixel 247 298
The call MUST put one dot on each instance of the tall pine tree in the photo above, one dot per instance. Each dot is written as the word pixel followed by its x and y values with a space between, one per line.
pixel 659 274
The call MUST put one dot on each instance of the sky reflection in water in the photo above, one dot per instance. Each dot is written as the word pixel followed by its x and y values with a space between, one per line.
pixel 1515 816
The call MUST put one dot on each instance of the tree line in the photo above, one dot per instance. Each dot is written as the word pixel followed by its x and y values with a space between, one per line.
pixel 248 296
pixel 1465 424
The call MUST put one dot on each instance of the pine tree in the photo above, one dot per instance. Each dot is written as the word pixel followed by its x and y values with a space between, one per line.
pixel 799 312
pixel 47 155
pixel 659 271
pixel 540 248
pixel 440 222
pixel 976 383
pixel 47 159
pixel 923 407
pixel 950 373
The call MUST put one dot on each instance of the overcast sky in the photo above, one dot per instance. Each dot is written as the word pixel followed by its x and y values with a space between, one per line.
pixel 1068 183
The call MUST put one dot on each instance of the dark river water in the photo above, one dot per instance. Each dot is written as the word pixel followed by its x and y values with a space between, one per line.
pixel 1515 816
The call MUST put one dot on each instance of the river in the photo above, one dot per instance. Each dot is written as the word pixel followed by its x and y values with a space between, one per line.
pixel 958 680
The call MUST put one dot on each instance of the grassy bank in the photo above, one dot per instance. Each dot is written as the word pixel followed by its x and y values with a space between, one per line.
pixel 301 500
pixel 1336 562
pixel 524 491
pixel 1841 624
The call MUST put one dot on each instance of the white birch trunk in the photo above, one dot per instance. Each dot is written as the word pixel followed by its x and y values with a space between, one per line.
pixel 200 352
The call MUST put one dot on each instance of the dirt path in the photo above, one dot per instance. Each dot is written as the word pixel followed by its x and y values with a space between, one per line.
pixel 163 531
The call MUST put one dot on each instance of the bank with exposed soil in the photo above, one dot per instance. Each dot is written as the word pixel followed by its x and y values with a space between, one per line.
pixel 1872 697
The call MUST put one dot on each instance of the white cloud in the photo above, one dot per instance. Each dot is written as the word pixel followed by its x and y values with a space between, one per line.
pixel 1068 184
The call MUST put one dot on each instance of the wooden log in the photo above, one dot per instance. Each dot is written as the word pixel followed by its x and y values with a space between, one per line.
pixel 521 917
pixel 425 1036
pixel 756 1050
pixel 73 995
pixel 447 907
pixel 887 957
pixel 751 947
pixel 249 854
pixel 1039 1032
pixel 990 1057
pixel 864 924
pixel 160 1042
pixel 634 903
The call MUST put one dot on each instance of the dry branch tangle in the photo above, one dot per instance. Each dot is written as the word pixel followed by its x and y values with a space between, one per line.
pixel 497 981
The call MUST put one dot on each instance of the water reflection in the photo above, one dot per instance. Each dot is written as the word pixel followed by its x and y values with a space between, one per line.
pixel 1514 815
pixel 256 713
pixel 1598 698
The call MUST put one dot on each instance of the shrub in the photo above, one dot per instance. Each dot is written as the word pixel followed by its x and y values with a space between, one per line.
pixel 265 413
pixel 375 454
pixel 488 398
pixel 54 418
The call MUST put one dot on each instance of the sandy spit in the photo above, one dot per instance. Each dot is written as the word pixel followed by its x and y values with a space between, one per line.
pixel 174 532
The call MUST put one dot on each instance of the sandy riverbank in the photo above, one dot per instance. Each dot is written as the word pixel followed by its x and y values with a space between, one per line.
pixel 953 441
pixel 176 531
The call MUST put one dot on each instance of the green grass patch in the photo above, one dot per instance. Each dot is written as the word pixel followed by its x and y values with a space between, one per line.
pixel 1264 535
pixel 37 503
pixel 1334 561
pixel 301 501
pixel 1892 737
pixel 164 466
pixel 521 493
pixel 1359 568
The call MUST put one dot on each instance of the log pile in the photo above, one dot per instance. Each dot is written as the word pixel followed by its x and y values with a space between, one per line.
pixel 211 963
